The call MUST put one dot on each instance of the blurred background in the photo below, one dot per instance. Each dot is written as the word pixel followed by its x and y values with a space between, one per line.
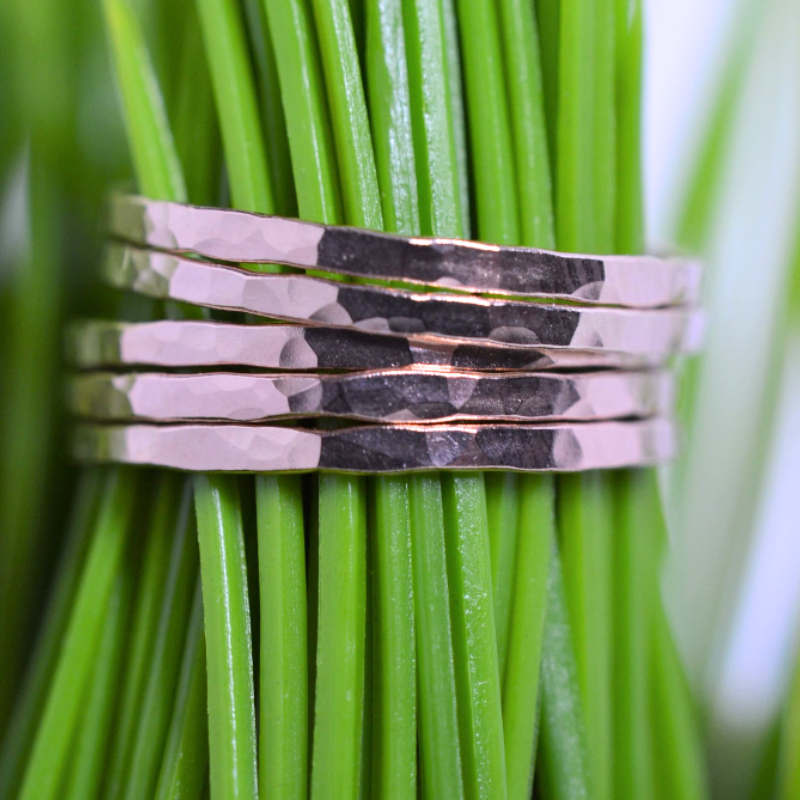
pixel 722 156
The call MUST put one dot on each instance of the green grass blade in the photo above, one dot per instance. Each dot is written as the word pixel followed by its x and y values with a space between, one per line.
pixel 395 744
pixel 491 151
pixel 390 115
pixel 474 636
pixel 302 89
pixel 273 118
pixel 27 424
pixel 88 753
pixel 789 754
pixel 237 108
pixel 502 504
pixel 440 762
pixel 152 148
pixel 458 119
pixel 195 122
pixel 231 714
pixel 548 18
pixel 33 694
pixel 521 688
pixel 678 752
pixel 526 104
pixel 144 627
pixel 184 769
pixel 393 750
pixel 564 766
pixel 159 693
pixel 586 525
pixel 632 615
pixel 630 193
pixel 283 734
pixel 350 123
pixel 340 639
pixel 432 119
pixel 47 763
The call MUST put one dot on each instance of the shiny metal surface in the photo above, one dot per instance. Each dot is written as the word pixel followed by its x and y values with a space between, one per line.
pixel 237 236
pixel 652 333
pixel 379 449
pixel 415 395
pixel 172 343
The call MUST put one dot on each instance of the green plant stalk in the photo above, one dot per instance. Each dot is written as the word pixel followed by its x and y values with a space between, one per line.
pixel 440 757
pixel 677 748
pixel 33 695
pixel 521 687
pixel 348 110
pixel 155 161
pixel 336 761
pixel 394 760
pixel 231 714
pixel 273 118
pixel 393 750
pixel 548 19
pixel 458 121
pixel 474 637
pixel 197 138
pixel 48 759
pixel 433 119
pixel 89 751
pixel 632 616
pixel 564 762
pixel 492 154
pixel 302 89
pixel 534 520
pixel 26 425
pixel 523 80
pixel 159 692
pixel 144 628
pixel 630 193
pixel 237 106
pixel 283 741
pixel 390 115
pixel 586 528
pixel 585 166
pixel 502 505
pixel 184 768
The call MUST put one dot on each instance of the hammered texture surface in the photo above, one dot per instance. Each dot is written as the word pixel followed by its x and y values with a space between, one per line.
pixel 239 236
pixel 380 449
pixel 375 396
pixel 654 333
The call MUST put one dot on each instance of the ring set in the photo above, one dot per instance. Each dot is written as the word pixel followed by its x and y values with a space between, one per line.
pixel 445 354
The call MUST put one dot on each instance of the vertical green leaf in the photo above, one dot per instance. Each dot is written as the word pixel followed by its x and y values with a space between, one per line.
pixel 184 768
pixel 231 714
pixel 283 684
pixel 440 755
pixel 340 644
pixel 521 687
pixel 237 108
pixel 48 759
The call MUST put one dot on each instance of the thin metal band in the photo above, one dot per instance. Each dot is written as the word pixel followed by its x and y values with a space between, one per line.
pixel 380 449
pixel 237 236
pixel 177 343
pixel 305 299
pixel 386 396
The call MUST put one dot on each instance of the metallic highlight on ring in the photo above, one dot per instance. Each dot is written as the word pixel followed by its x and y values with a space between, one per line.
pixel 305 299
pixel 183 343
pixel 238 236
pixel 379 449
pixel 377 396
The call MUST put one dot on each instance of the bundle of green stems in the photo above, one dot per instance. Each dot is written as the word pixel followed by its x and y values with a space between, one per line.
pixel 436 635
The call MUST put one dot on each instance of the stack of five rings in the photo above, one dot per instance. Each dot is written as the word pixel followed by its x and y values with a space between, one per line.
pixel 371 353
